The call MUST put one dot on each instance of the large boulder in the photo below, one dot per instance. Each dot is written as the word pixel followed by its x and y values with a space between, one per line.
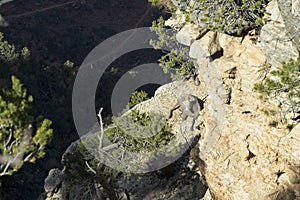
pixel 189 33
pixel 53 181
pixel 207 46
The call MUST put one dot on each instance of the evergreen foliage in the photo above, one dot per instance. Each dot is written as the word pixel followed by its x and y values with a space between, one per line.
pixel 283 85
pixel 287 195
pixel 178 58
pixel 9 53
pixel 230 16
pixel 87 172
pixel 163 3
pixel 134 131
pixel 136 98
pixel 140 131
pixel 22 138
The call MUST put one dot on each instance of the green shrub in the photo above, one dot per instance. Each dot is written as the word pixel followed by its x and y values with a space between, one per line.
pixel 177 59
pixel 134 128
pixel 19 141
pixel 229 16
pixel 164 38
pixel 139 131
pixel 283 85
pixel 87 172
pixel 163 3
pixel 9 53
pixel 136 98
pixel 286 195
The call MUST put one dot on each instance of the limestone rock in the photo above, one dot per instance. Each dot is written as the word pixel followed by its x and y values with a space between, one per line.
pixel 53 180
pixel 180 4
pixel 296 7
pixel 243 161
pixel 290 146
pixel 278 38
pixel 189 33
pixel 289 10
pixel 205 46
pixel 295 133
pixel 207 196
pixel 176 21
pixel 165 97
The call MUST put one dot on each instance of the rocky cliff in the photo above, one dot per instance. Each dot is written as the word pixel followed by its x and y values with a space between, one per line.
pixel 238 154
pixel 250 159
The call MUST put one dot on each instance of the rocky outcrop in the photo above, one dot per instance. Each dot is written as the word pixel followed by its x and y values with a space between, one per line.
pixel 188 33
pixel 53 181
pixel 207 46
pixel 295 8
pixel 290 11
pixel 248 158
pixel 180 180
pixel 239 155
pixel 279 37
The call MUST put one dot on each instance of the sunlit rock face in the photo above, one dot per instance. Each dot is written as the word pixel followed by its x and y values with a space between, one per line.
pixel 251 159
pixel 279 36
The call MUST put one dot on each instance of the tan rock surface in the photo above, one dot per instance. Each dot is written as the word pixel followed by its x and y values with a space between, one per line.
pixel 249 159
